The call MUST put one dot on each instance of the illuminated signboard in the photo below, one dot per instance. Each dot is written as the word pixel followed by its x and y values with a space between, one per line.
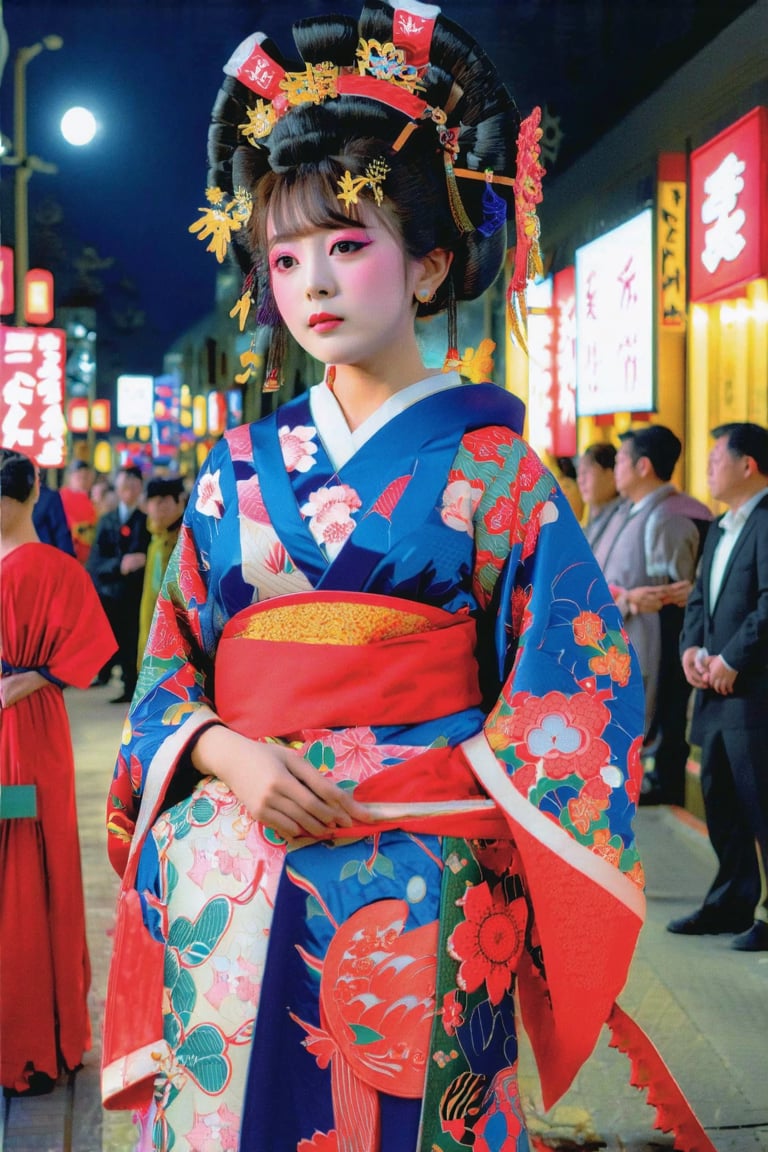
pixel 564 413
pixel 541 346
pixel 32 362
pixel 729 209
pixel 135 401
pixel 671 195
pixel 614 320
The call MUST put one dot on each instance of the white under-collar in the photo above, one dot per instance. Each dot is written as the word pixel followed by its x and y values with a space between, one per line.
pixel 340 441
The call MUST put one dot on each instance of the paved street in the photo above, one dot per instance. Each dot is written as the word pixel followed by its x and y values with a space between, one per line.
pixel 705 1006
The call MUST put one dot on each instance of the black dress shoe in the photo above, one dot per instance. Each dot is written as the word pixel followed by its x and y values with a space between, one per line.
pixel 755 939
pixel 123 698
pixel 704 922
pixel 39 1084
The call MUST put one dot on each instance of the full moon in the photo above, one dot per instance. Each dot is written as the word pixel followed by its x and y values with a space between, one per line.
pixel 78 126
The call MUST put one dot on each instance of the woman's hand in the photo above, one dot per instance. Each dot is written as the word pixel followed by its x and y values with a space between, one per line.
pixel 276 784
pixel 18 686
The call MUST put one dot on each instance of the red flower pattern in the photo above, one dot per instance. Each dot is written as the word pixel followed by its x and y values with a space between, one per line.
pixel 612 663
pixel 452 1012
pixel 560 732
pixel 484 446
pixel 588 629
pixel 489 941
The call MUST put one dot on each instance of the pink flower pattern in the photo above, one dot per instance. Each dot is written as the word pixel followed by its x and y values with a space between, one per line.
pixel 250 500
pixel 460 501
pixel 297 448
pixel 330 515
pixel 209 499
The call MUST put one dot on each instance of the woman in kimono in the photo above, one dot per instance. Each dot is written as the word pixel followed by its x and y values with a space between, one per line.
pixel 382 761
pixel 54 633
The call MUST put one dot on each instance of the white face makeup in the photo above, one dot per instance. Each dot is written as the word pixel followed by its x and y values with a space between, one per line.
pixel 346 294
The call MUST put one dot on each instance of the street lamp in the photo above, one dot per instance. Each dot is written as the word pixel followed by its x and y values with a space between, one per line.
pixel 24 164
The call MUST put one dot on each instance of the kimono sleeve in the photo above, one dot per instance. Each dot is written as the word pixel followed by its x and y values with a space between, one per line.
pixel 86 640
pixel 560 755
pixel 174 695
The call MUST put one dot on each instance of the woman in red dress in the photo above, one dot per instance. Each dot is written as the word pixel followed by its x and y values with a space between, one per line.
pixel 54 634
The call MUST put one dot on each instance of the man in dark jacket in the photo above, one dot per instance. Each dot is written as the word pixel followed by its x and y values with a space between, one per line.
pixel 50 520
pixel 116 564
pixel 724 649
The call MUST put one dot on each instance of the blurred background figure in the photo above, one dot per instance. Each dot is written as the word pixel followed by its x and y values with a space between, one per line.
pixel 166 500
pixel 724 646
pixel 103 496
pixel 597 485
pixel 50 519
pixel 116 563
pixel 54 634
pixel 79 507
pixel 648 553
pixel 565 471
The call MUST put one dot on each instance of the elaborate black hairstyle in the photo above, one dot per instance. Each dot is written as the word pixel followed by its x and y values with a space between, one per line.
pixel 402 90
pixel 17 475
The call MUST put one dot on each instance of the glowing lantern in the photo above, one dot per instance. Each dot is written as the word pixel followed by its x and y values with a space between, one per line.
pixel 199 416
pixel 101 415
pixel 77 415
pixel 38 296
pixel 102 456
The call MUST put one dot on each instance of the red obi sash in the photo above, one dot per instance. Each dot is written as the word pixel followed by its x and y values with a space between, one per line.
pixel 331 660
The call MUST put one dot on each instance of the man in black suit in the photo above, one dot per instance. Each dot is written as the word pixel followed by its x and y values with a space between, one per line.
pixel 724 649
pixel 116 564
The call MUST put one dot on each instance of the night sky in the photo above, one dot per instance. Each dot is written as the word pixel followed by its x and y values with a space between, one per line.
pixel 150 72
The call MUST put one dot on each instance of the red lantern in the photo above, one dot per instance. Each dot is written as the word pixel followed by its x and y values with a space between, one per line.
pixel 77 415
pixel 6 281
pixel 101 415
pixel 38 296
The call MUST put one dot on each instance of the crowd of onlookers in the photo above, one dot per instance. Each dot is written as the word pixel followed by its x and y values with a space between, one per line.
pixel 693 592
pixel 123 532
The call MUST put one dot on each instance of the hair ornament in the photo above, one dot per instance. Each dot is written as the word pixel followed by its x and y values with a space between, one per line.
pixel 374 176
pixel 261 120
pixel 494 208
pixel 251 361
pixel 221 219
pixel 241 310
pixel 527 187
pixel 388 63
pixel 404 76
pixel 449 140
pixel 317 83
pixel 477 363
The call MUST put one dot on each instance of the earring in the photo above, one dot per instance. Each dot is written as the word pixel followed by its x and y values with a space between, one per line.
pixel 424 297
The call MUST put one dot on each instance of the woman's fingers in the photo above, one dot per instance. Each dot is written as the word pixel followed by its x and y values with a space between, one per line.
pixel 343 808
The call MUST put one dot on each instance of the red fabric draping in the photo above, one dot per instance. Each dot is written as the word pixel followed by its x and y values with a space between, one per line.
pixel 51 617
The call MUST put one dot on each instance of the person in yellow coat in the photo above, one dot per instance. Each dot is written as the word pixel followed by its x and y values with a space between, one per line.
pixel 166 498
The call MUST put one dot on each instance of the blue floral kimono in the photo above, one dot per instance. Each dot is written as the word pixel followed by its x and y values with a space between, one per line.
pixel 414 607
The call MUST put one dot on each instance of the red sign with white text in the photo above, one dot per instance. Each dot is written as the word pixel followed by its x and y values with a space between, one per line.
pixel 564 412
pixel 32 365
pixel 729 209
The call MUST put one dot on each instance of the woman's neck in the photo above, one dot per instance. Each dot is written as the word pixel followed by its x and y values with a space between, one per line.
pixel 16 525
pixel 360 393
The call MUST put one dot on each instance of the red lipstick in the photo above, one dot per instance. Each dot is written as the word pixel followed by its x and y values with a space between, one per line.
pixel 324 321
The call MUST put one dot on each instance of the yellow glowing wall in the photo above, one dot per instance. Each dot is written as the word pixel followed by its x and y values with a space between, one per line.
pixel 727 372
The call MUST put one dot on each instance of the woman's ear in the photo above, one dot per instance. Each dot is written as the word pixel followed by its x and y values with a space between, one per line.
pixel 434 268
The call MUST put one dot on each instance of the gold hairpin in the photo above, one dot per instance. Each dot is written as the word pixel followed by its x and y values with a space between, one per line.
pixel 373 177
